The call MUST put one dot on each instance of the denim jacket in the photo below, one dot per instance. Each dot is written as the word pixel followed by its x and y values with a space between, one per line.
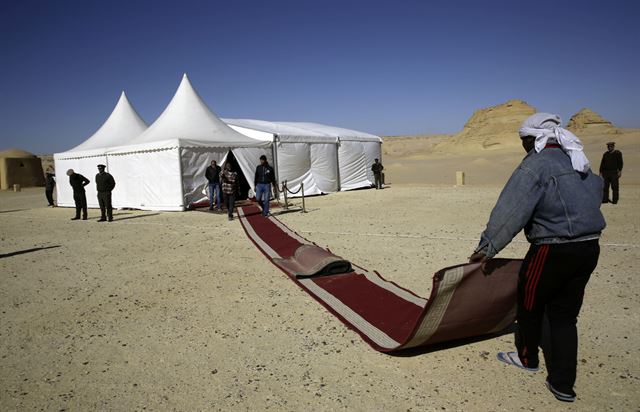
pixel 547 198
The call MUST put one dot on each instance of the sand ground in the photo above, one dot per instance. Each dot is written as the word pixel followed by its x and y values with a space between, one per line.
pixel 179 311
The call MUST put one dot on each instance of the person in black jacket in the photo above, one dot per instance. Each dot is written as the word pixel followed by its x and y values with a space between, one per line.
pixel 213 176
pixel 264 178
pixel 49 185
pixel 104 185
pixel 377 169
pixel 78 182
pixel 611 171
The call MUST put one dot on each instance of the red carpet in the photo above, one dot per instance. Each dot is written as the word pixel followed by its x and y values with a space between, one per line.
pixel 466 300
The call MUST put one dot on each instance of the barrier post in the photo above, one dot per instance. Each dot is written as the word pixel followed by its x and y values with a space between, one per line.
pixel 285 189
pixel 304 209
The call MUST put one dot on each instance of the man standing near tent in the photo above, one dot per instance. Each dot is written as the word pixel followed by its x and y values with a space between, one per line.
pixel 611 171
pixel 229 180
pixel 49 185
pixel 78 182
pixel 213 176
pixel 555 198
pixel 265 177
pixel 377 169
pixel 104 185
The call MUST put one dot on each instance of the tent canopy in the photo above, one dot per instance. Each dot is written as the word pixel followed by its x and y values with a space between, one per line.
pixel 123 124
pixel 187 121
pixel 306 132
pixel 286 132
pixel 342 133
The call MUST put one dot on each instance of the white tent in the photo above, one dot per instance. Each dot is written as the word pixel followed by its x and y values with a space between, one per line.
pixel 163 168
pixel 325 158
pixel 122 126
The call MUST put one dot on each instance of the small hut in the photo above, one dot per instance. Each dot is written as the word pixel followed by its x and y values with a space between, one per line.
pixel 20 167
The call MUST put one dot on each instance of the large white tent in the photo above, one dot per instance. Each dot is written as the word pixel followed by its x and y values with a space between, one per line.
pixel 325 158
pixel 163 168
pixel 120 128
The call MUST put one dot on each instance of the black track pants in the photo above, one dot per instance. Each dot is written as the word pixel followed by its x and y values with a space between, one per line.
pixel 552 280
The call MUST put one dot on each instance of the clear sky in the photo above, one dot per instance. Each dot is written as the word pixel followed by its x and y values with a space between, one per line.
pixel 393 67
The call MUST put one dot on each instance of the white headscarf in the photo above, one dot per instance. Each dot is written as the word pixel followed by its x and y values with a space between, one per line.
pixel 545 126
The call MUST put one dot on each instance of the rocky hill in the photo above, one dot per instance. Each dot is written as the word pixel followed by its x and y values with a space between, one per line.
pixel 491 128
pixel 586 121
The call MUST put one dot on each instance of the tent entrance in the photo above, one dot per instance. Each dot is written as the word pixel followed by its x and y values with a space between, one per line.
pixel 243 184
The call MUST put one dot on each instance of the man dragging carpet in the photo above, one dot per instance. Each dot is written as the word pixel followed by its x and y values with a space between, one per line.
pixel 555 198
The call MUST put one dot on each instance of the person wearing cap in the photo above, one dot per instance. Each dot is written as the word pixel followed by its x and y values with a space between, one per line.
pixel 377 169
pixel 555 198
pixel 78 182
pixel 49 185
pixel 611 171
pixel 213 177
pixel 265 177
pixel 104 185
pixel 229 180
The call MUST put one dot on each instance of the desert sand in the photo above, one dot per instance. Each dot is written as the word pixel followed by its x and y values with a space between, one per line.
pixel 179 311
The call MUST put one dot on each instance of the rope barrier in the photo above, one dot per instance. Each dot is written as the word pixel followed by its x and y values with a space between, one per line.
pixel 285 190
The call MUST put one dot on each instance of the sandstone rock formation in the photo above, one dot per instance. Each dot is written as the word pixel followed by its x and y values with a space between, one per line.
pixel 492 128
pixel 586 121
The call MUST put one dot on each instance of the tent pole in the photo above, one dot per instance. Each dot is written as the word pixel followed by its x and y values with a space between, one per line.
pixel 338 163
pixel 274 155
pixel 181 178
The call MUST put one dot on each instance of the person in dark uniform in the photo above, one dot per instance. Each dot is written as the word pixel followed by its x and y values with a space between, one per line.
pixel 377 169
pixel 78 182
pixel 49 185
pixel 554 196
pixel 265 177
pixel 611 171
pixel 213 176
pixel 229 180
pixel 104 186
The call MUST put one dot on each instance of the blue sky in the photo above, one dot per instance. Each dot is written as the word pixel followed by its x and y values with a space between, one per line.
pixel 394 67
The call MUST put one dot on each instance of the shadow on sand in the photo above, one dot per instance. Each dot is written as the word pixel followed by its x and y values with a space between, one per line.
pixel 135 217
pixel 21 252
pixel 15 210
pixel 452 344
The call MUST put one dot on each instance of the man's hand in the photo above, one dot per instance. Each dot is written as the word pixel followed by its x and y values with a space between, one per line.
pixel 478 257
pixel 619 173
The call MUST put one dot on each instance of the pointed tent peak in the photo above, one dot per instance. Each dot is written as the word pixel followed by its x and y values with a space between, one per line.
pixel 123 124
pixel 188 118
pixel 123 100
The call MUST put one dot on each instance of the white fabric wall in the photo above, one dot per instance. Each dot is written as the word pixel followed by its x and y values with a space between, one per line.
pixel 147 180
pixel 86 166
pixel 128 176
pixel 324 167
pixel 354 165
pixel 313 164
pixel 294 166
